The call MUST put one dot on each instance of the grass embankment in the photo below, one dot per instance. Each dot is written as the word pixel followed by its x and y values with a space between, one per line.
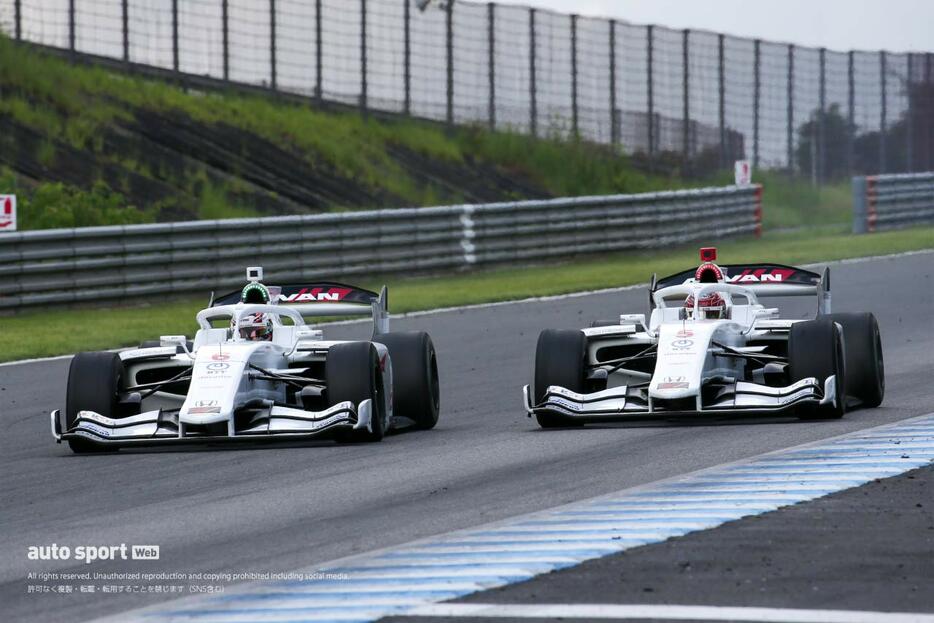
pixel 76 136
pixel 45 333
pixel 87 146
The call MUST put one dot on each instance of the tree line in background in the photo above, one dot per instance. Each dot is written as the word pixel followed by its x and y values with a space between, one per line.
pixel 905 145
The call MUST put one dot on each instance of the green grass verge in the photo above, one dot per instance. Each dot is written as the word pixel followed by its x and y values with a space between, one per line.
pixel 788 203
pixel 78 105
pixel 46 333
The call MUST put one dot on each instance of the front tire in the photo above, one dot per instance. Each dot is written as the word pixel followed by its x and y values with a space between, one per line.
pixel 865 368
pixel 352 373
pixel 816 349
pixel 559 360
pixel 416 389
pixel 93 385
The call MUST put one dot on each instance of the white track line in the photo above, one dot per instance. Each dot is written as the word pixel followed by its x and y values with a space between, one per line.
pixel 666 613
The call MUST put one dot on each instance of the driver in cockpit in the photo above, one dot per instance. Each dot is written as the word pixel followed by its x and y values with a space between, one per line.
pixel 714 305
pixel 255 327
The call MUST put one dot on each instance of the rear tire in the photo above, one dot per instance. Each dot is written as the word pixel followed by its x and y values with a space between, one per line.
pixel 816 349
pixel 865 368
pixel 352 372
pixel 559 360
pixel 416 392
pixel 93 384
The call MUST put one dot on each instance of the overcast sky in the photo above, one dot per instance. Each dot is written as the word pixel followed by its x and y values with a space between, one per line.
pixel 894 25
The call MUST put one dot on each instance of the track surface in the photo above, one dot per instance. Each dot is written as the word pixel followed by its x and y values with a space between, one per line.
pixel 846 551
pixel 280 508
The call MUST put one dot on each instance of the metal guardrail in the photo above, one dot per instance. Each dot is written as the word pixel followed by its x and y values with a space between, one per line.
pixel 137 261
pixel 892 201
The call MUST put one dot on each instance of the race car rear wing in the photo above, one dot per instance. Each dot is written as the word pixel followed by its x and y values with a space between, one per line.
pixel 325 299
pixel 763 280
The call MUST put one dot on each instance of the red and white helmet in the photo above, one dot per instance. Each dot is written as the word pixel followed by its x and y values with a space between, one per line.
pixel 708 272
pixel 710 307
pixel 256 327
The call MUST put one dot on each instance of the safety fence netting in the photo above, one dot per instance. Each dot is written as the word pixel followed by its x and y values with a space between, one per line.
pixel 690 99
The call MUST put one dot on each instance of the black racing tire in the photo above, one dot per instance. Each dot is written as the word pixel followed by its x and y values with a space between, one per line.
pixel 352 372
pixel 865 369
pixel 559 360
pixel 416 390
pixel 604 323
pixel 816 349
pixel 93 385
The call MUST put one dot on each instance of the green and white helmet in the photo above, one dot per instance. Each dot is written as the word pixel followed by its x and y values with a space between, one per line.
pixel 255 293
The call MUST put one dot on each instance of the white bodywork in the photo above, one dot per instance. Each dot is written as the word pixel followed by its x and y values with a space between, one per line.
pixel 227 375
pixel 688 355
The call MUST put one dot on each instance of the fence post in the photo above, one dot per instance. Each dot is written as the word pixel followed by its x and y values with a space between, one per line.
pixel 71 27
pixel 449 36
pixel 491 46
pixel 175 63
pixel 125 24
pixel 407 60
pixel 883 168
pixel 822 104
pixel 756 100
pixel 650 95
pixel 319 47
pixel 363 68
pixel 909 138
pixel 791 108
pixel 18 19
pixel 686 100
pixel 614 128
pixel 533 86
pixel 574 121
pixel 850 113
pixel 930 124
pixel 225 38
pixel 272 44
pixel 721 89
pixel 860 205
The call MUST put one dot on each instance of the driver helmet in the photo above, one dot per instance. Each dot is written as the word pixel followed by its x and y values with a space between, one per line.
pixel 711 306
pixel 255 293
pixel 256 327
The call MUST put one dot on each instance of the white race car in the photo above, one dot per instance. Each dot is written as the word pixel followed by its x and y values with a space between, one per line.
pixel 710 347
pixel 256 371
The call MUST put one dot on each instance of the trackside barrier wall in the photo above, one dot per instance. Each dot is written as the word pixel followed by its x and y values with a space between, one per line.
pixel 892 201
pixel 138 261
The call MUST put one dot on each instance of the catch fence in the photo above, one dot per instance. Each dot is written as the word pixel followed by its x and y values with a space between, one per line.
pixel 692 99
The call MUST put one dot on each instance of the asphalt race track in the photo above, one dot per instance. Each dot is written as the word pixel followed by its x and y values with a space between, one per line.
pixel 278 508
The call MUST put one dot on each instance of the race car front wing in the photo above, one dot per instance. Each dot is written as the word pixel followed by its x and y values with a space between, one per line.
pixel 162 427
pixel 632 402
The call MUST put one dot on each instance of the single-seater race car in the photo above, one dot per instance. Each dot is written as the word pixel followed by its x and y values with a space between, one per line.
pixel 711 348
pixel 256 371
